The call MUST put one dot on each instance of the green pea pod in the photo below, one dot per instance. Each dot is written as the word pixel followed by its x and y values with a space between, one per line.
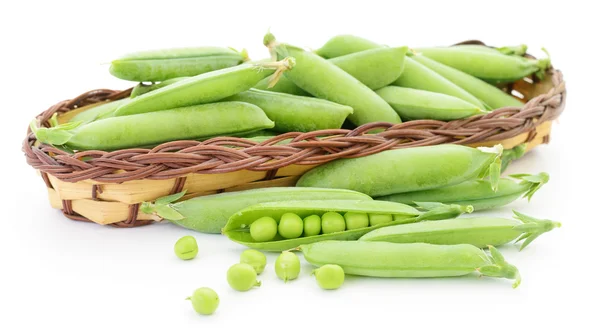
pixel 142 88
pixel 210 213
pixel 103 111
pixel 342 45
pixel 296 113
pixel 161 65
pixel 418 76
pixel 143 130
pixel 284 85
pixel 489 94
pixel 421 104
pixel 477 231
pixel 491 67
pixel 413 260
pixel 205 88
pixel 406 170
pixel 323 79
pixel 516 50
pixel 477 193
pixel 238 227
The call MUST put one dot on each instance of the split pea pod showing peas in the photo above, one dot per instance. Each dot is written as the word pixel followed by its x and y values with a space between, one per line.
pixel 491 67
pixel 141 130
pixel 205 88
pixel 160 65
pixel 477 193
pixel 209 213
pixel 477 231
pixel 486 92
pixel 296 113
pixel 325 80
pixel 407 169
pixel 421 104
pixel 261 226
pixel 414 260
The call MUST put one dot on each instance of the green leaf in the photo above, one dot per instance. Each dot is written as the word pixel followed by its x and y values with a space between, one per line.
pixel 170 198
pixel 169 213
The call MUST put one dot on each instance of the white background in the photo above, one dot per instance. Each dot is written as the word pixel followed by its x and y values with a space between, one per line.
pixel 56 274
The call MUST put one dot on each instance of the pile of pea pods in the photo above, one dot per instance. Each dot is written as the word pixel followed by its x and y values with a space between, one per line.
pixel 197 93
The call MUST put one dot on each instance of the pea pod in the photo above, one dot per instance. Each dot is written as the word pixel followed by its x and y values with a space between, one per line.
pixel 489 94
pixel 105 110
pixel 143 130
pixel 421 104
pixel 204 88
pixel 414 260
pixel 342 45
pixel 477 231
pixel 284 85
pixel 296 113
pixel 407 169
pixel 238 227
pixel 210 213
pixel 487 66
pixel 142 88
pixel 323 79
pixel 161 65
pixel 517 50
pixel 477 193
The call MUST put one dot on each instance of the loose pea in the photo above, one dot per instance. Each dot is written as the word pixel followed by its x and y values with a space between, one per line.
pixel 204 300
pixel 312 225
pixel 332 222
pixel 242 277
pixel 287 266
pixel 329 276
pixel 186 248
pixel 290 226
pixel 264 229
pixel 375 219
pixel 254 258
pixel 356 220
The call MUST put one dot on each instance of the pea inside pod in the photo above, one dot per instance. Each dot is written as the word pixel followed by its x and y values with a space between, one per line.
pixel 333 224
pixel 477 231
pixel 414 260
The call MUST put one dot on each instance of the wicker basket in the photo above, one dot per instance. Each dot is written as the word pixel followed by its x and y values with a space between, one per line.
pixel 108 187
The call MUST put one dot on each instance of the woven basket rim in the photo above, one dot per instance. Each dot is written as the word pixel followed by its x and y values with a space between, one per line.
pixel 228 154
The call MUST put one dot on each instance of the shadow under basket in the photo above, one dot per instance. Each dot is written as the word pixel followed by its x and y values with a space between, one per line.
pixel 108 187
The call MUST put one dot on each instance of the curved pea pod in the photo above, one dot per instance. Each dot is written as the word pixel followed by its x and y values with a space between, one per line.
pixel 143 130
pixel 491 67
pixel 421 104
pixel 205 88
pixel 283 85
pixel 161 65
pixel 517 50
pixel 477 231
pixel 413 260
pixel 142 88
pixel 418 76
pixel 238 227
pixel 210 213
pixel 407 170
pixel 489 94
pixel 323 79
pixel 341 45
pixel 477 193
pixel 105 110
pixel 296 113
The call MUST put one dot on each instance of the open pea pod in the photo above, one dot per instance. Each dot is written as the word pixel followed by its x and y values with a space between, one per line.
pixel 238 226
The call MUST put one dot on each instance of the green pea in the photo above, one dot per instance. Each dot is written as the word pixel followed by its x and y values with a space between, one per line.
pixel 356 220
pixel 322 79
pixel 204 300
pixel 254 258
pixel 412 260
pixel 312 225
pixel 375 219
pixel 264 229
pixel 142 130
pixel 290 226
pixel 287 266
pixel 242 277
pixel 329 276
pixel 332 222
pixel 186 248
